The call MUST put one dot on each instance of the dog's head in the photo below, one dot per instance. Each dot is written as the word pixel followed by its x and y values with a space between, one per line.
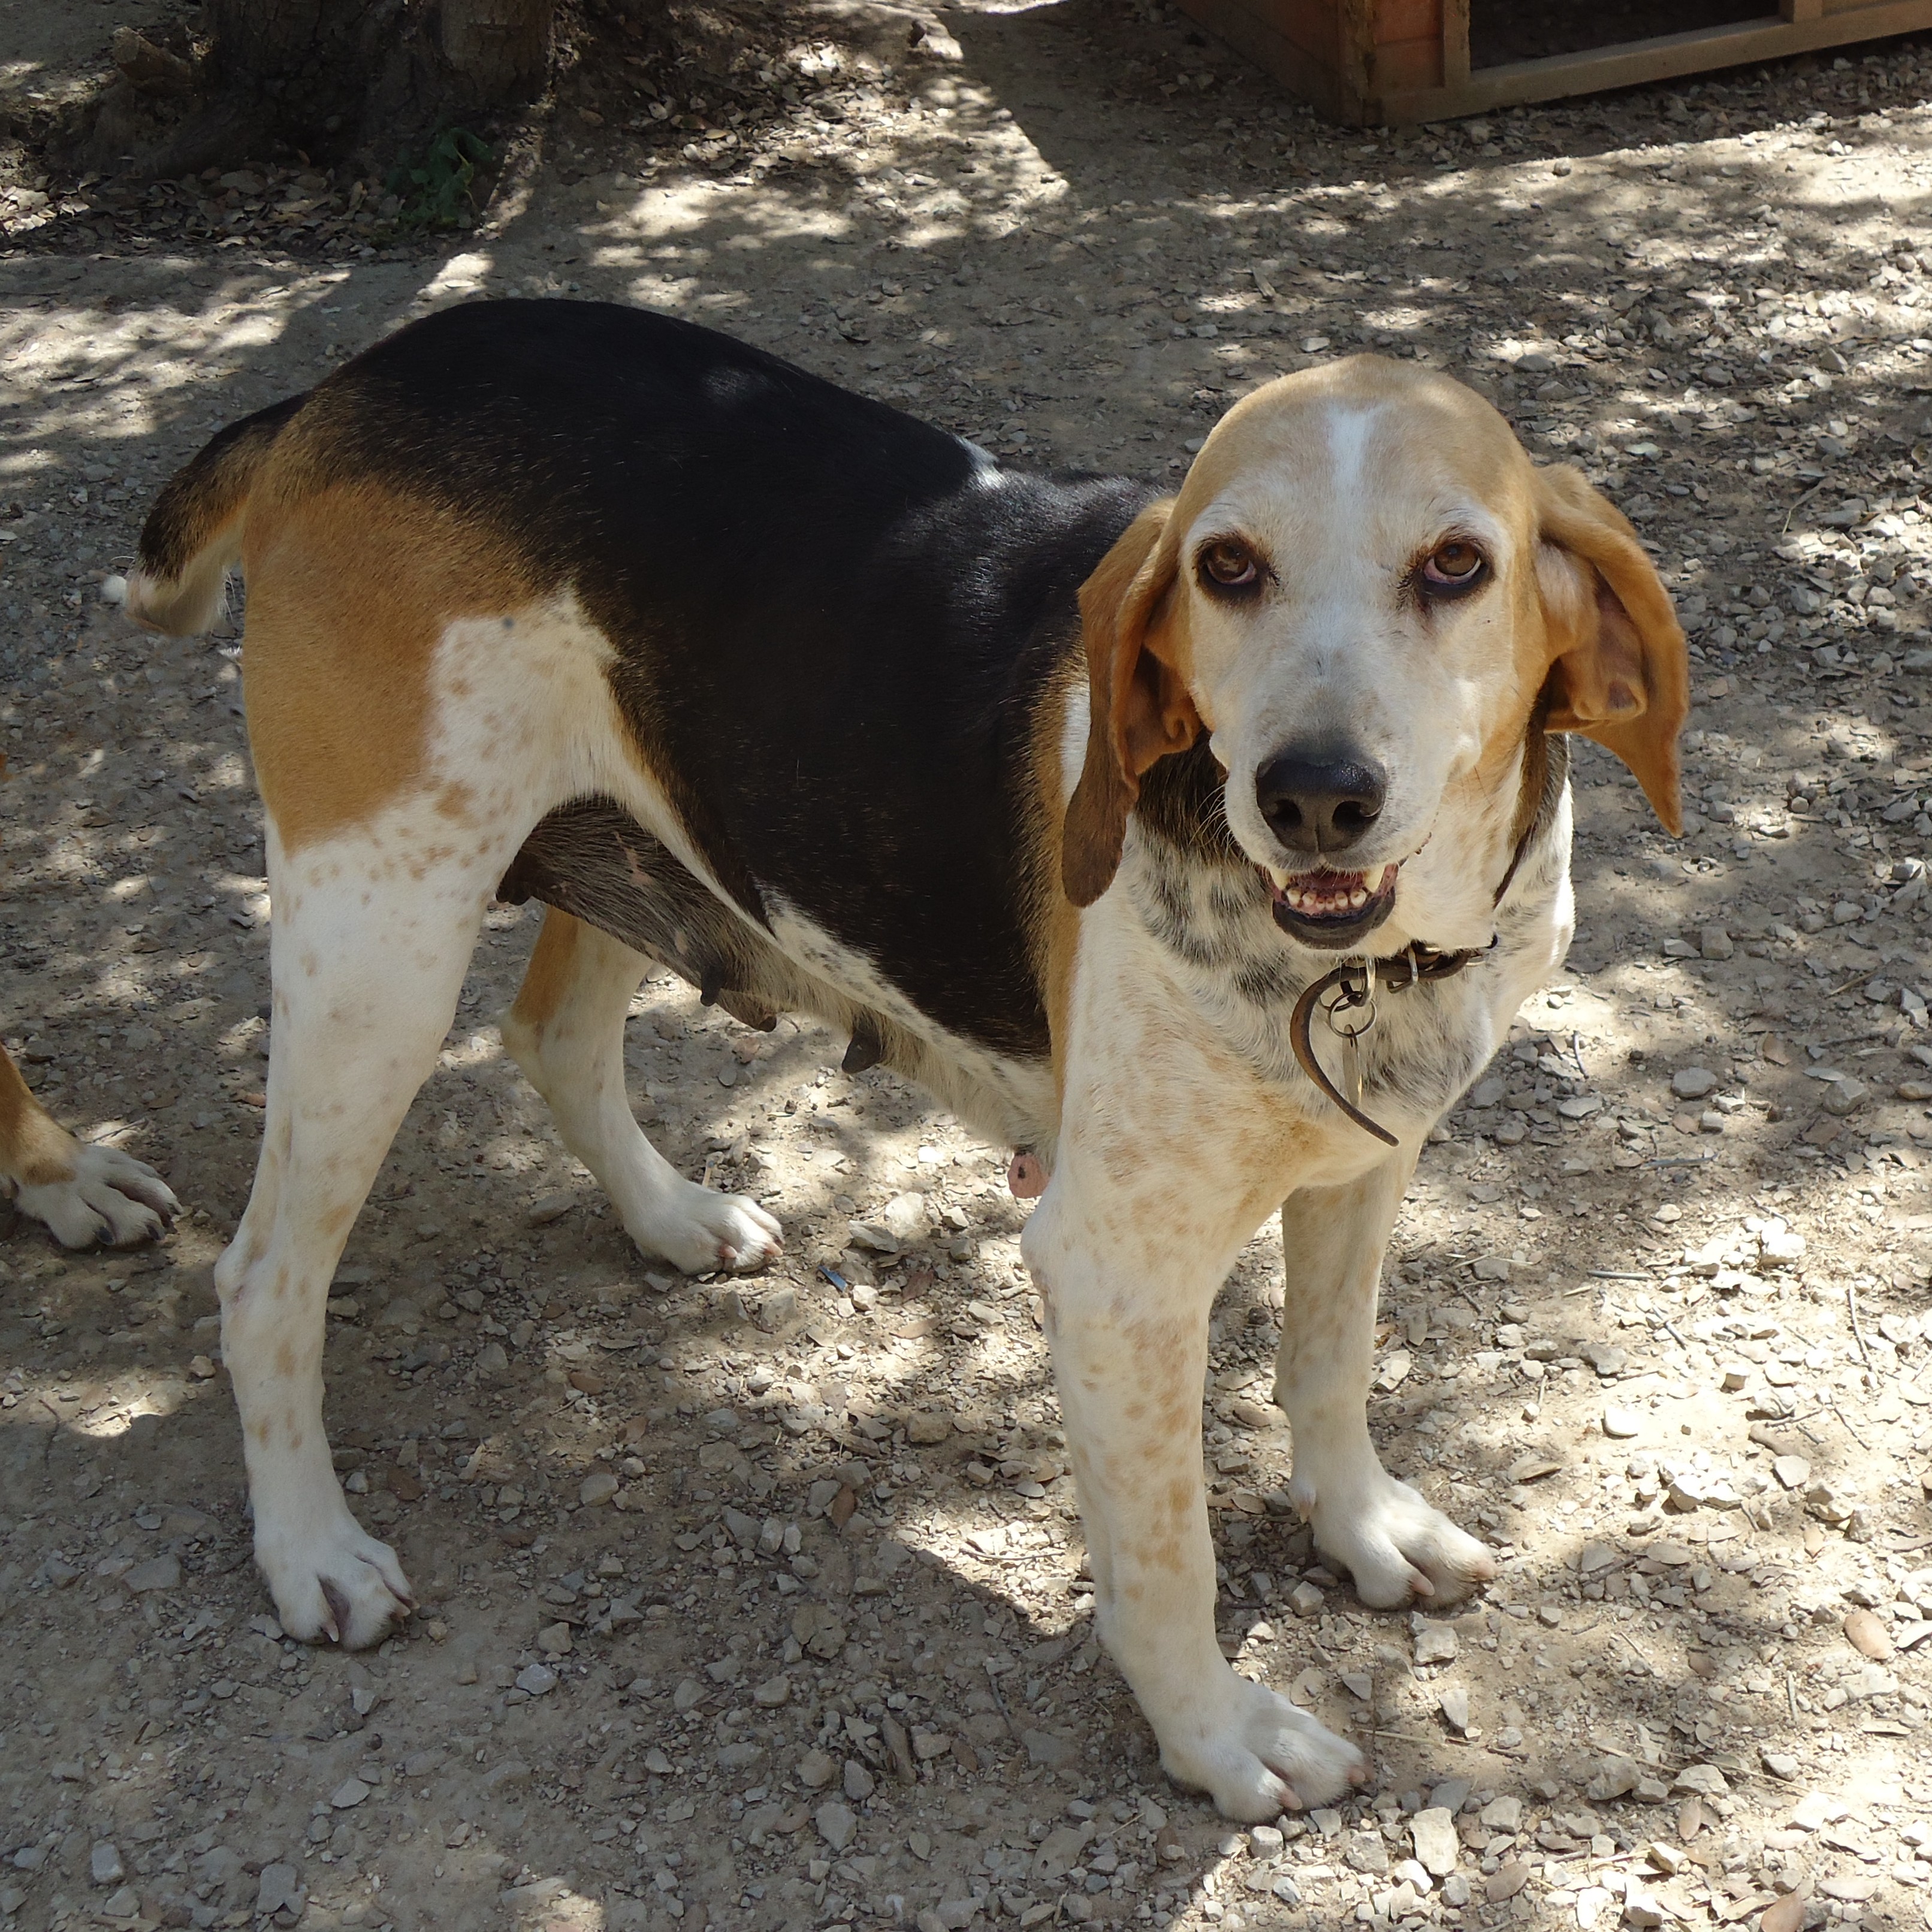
pixel 1369 597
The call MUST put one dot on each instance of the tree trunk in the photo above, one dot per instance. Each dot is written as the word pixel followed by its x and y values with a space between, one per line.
pixel 501 47
pixel 329 77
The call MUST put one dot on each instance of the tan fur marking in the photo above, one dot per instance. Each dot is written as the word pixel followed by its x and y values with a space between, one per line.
pixel 551 975
pixel 35 1151
pixel 350 587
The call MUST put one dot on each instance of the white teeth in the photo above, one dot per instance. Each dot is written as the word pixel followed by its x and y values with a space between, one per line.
pixel 1358 898
pixel 1373 877
pixel 1280 879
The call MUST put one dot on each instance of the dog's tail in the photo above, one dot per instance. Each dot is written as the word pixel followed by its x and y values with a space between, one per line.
pixel 193 532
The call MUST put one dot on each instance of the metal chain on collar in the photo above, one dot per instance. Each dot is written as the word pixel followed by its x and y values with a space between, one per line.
pixel 1346 1000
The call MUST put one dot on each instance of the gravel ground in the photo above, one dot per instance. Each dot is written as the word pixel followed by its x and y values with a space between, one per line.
pixel 759 1603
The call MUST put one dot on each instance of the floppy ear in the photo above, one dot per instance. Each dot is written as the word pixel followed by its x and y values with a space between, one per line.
pixel 1619 673
pixel 1140 709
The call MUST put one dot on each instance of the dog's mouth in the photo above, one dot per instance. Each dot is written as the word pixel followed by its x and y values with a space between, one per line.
pixel 1331 909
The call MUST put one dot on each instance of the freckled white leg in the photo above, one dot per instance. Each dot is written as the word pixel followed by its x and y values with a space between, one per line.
pixel 1394 1544
pixel 1128 1268
pixel 566 1032
pixel 368 956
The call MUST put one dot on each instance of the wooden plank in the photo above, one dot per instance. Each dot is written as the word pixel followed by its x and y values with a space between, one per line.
pixel 1399 20
pixel 1636 62
pixel 1455 43
pixel 1404 66
pixel 1802 9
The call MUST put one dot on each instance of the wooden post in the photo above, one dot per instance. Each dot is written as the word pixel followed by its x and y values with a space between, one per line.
pixel 1456 42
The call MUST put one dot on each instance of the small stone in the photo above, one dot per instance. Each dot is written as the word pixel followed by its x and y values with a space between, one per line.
pixel 350 1793
pixel 1433 1834
pixel 1305 1600
pixel 1793 1472
pixel 1506 1881
pixel 858 1782
pixel 816 1770
pixel 1692 1083
pixel 103 1865
pixel 158 1572
pixel 124 1903
pixel 1868 1636
pixel 1504 1813
pixel 1454 1704
pixel 1434 1643
pixel 536 1680
pixel 1265 1842
pixel 1641 1912
pixel 1047 1748
pixel 279 1885
pixel 1621 1424
pixel 554 1639
pixel 1704 1780
pixel 1616 1778
pixel 774 1691
pixel 1845 1097
pixel 596 1488
pixel 548 1207
pixel 1780 1764
pixel 838 1824
pixel 1715 943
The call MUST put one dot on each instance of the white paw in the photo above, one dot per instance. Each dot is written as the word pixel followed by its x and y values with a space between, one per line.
pixel 701 1230
pixel 1261 1756
pixel 111 1197
pixel 1396 1545
pixel 340 1584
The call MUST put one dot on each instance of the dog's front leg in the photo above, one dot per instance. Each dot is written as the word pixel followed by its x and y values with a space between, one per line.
pixel 1128 1262
pixel 1395 1544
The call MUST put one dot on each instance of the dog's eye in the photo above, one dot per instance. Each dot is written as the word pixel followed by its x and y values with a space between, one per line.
pixel 1228 565
pixel 1452 568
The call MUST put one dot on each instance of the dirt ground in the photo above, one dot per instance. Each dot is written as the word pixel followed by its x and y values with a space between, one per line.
pixel 758 1603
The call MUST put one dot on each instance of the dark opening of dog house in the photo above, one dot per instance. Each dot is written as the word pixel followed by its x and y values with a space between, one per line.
pixel 1398 61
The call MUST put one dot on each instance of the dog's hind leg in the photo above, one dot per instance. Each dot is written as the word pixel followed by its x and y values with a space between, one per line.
pixel 566 1032
pixel 1396 1544
pixel 370 943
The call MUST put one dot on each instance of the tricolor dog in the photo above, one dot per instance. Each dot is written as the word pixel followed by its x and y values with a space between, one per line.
pixel 1200 848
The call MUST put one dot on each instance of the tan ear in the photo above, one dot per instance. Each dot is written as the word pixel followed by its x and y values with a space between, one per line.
pixel 1619 673
pixel 1140 708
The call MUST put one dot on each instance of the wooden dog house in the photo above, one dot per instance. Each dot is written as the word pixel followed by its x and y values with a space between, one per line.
pixel 1395 61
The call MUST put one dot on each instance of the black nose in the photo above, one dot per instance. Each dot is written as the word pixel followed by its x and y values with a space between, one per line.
pixel 1316 802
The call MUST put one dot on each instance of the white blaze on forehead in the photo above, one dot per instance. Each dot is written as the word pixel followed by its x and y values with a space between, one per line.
pixel 1350 430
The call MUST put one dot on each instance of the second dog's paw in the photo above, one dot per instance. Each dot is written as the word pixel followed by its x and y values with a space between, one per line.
pixel 110 1198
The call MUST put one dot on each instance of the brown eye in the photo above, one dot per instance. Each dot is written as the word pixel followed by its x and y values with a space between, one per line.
pixel 1226 566
pixel 1452 568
